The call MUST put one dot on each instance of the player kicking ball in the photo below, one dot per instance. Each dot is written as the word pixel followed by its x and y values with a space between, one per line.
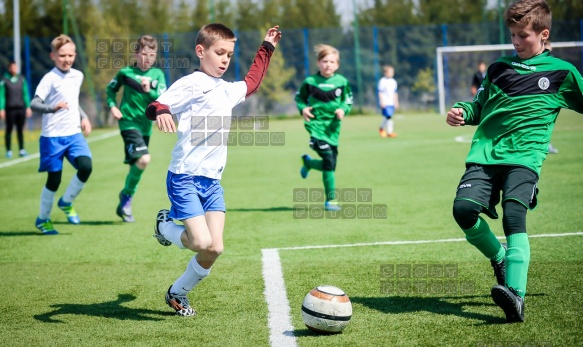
pixel 515 112
pixel 199 101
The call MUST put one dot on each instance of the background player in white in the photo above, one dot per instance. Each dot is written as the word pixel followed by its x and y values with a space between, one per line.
pixel 388 101
pixel 57 98
pixel 202 103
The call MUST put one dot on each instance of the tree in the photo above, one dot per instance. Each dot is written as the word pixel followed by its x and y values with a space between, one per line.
pixel 182 21
pixel 272 88
pixel 200 15
pixel 247 15
pixel 388 13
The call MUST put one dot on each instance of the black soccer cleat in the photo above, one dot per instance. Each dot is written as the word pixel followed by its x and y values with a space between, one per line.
pixel 510 302
pixel 500 269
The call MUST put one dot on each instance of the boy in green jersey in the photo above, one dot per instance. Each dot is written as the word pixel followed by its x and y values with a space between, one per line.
pixel 515 111
pixel 143 84
pixel 323 100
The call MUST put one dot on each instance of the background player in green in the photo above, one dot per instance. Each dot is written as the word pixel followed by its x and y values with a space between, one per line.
pixel 323 100
pixel 143 84
pixel 515 111
pixel 14 106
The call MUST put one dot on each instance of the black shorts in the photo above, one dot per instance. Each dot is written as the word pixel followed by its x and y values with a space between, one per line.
pixel 326 151
pixel 135 145
pixel 482 184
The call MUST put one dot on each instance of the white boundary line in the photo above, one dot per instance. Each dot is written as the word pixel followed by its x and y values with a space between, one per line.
pixel 281 330
pixel 36 155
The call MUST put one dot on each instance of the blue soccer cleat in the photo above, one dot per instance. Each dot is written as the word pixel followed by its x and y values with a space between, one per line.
pixel 124 209
pixel 332 205
pixel 70 212
pixel 304 170
pixel 45 226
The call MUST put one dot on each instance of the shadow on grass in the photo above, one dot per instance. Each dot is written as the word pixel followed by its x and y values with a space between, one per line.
pixel 267 209
pixel 108 309
pixel 432 304
pixel 92 222
pixel 21 233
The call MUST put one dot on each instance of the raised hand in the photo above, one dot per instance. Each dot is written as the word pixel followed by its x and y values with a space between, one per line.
pixel 273 35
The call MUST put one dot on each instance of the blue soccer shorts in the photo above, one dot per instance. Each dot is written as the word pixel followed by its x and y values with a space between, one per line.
pixel 388 111
pixel 54 149
pixel 193 196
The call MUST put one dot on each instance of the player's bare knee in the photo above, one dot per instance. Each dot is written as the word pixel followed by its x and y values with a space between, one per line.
pixel 143 161
pixel 201 244
pixel 215 250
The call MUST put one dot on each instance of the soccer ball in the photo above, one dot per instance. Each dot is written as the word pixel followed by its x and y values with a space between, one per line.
pixel 326 310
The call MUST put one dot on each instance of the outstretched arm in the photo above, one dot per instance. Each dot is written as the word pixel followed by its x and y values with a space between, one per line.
pixel 261 62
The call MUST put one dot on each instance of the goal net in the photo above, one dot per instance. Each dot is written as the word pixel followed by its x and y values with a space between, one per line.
pixel 456 66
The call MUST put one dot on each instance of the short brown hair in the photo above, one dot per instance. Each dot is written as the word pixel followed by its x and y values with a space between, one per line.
pixel 146 41
pixel 525 12
pixel 211 33
pixel 323 50
pixel 60 41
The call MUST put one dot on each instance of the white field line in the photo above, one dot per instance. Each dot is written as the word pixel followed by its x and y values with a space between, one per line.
pixel 36 155
pixel 464 138
pixel 281 330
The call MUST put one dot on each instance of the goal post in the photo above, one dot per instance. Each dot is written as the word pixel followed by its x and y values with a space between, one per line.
pixel 442 68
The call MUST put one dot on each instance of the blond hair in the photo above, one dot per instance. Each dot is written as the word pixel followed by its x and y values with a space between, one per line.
pixel 60 41
pixel 324 50
pixel 211 33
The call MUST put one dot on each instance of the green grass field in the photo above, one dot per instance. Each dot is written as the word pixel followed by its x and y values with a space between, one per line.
pixel 102 283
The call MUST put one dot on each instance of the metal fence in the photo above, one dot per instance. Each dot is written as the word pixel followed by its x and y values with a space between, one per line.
pixel 409 49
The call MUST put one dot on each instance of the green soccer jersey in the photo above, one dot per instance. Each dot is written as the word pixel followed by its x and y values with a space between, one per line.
pixel 134 100
pixel 324 95
pixel 516 109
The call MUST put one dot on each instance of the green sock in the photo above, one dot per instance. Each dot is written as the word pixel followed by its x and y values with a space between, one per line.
pixel 315 164
pixel 329 185
pixel 132 180
pixel 517 261
pixel 484 240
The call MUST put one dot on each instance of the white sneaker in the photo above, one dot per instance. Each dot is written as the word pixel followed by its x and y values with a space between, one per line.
pixel 180 304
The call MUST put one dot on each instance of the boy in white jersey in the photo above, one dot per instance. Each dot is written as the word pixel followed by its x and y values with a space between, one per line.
pixel 202 103
pixel 57 98
pixel 388 101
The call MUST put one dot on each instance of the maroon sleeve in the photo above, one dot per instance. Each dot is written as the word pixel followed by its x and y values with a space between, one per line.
pixel 258 68
pixel 155 108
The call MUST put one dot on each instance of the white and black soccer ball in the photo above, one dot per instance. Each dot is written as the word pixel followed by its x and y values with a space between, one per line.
pixel 326 310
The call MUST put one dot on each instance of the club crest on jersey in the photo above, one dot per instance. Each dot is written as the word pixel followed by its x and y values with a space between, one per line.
pixel 338 92
pixel 544 83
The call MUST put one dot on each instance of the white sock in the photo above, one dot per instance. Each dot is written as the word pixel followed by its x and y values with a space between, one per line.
pixel 47 198
pixel 384 124
pixel 390 126
pixel 172 232
pixel 190 278
pixel 73 190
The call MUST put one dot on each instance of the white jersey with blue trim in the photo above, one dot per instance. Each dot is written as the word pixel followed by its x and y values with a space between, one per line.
pixel 387 89
pixel 202 105
pixel 57 86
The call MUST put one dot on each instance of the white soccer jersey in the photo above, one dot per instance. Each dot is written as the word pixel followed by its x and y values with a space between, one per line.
pixel 387 90
pixel 203 107
pixel 57 86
